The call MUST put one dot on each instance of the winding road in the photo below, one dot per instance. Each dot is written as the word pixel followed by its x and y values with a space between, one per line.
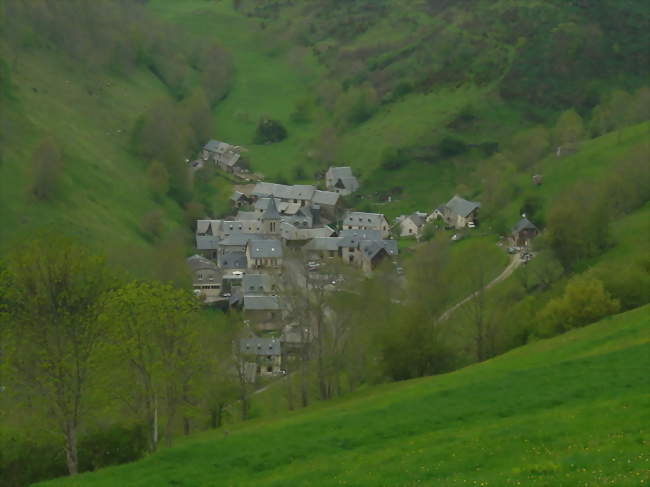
pixel 515 261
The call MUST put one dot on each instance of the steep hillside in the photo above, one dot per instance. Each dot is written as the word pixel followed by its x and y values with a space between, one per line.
pixel 73 94
pixel 568 411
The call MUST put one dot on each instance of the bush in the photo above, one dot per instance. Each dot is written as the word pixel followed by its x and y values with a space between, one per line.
pixel 393 159
pixel 585 301
pixel 269 131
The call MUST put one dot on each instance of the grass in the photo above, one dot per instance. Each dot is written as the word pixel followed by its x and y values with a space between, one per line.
pixel 542 415
pixel 103 192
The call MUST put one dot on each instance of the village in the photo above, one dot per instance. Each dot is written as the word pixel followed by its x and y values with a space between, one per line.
pixel 242 261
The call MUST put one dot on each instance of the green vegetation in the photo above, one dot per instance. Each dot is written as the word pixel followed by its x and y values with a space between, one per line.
pixel 539 415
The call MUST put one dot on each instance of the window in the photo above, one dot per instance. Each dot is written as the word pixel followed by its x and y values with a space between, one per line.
pixel 269 368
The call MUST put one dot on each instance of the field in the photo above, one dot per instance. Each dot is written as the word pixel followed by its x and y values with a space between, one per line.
pixel 572 410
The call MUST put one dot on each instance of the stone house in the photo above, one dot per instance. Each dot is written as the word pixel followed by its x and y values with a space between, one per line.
pixel 411 225
pixel 206 277
pixel 264 254
pixel 265 353
pixel 357 220
pixel 341 180
pixel 264 312
pixel 321 248
pixel 225 156
pixel 459 212
pixel 523 232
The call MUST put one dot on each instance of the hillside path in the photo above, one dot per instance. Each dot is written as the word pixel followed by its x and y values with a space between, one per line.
pixel 515 261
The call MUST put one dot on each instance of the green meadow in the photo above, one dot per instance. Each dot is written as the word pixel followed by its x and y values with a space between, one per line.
pixel 572 410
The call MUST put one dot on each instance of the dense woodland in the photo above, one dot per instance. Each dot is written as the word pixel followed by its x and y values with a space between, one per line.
pixel 102 365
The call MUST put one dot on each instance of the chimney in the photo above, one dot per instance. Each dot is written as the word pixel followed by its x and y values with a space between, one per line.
pixel 315 211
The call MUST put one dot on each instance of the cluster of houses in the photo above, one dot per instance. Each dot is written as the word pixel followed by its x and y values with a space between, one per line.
pixel 239 260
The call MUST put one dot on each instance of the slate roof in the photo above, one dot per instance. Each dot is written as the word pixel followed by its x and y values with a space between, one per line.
pixel 418 219
pixel 327 198
pixel 233 260
pixel 358 218
pixel 207 242
pixel 257 283
pixel 282 191
pixel 214 145
pixel 523 224
pixel 235 240
pixel 323 244
pixel 352 238
pixel 246 215
pixel 260 346
pixel 461 206
pixel 371 248
pixel 264 249
pixel 236 196
pixel 271 210
pixel 207 227
pixel 340 172
pixel 197 263
pixel 261 303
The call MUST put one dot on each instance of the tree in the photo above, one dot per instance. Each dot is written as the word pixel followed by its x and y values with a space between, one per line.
pixel 47 168
pixel 269 131
pixel 154 342
pixel 569 129
pixel 53 330
pixel 578 225
pixel 529 146
pixel 585 301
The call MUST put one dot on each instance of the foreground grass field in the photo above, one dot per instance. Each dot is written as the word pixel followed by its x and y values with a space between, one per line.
pixel 573 410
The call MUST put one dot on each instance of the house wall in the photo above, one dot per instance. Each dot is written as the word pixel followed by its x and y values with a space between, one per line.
pixel 408 228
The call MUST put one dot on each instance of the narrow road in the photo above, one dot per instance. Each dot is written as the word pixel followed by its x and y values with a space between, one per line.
pixel 515 261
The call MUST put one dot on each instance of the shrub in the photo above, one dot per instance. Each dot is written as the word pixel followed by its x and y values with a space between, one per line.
pixel 585 301
pixel 269 131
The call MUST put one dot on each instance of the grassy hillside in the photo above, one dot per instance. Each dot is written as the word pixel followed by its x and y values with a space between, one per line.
pixel 568 411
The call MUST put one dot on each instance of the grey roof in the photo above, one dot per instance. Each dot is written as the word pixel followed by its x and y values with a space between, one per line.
pixel 246 215
pixel 236 196
pixel 461 206
pixel 207 242
pixel 282 191
pixel 418 219
pixel 262 249
pixel 213 145
pixel 262 303
pixel 323 244
pixel 340 172
pixel 292 232
pixel 235 240
pixel 233 260
pixel 358 218
pixel 257 283
pixel 523 224
pixel 260 346
pixel 270 209
pixel 352 238
pixel 207 227
pixel 327 198
pixel 197 262
pixel 371 248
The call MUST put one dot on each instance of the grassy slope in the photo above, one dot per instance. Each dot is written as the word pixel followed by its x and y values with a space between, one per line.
pixel 568 411
pixel 102 195
pixel 265 82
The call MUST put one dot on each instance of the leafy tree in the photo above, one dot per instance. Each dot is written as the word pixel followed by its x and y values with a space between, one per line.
pixel 578 225
pixel 269 131
pixel 153 335
pixel 569 129
pixel 530 146
pixel 53 331
pixel 585 301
